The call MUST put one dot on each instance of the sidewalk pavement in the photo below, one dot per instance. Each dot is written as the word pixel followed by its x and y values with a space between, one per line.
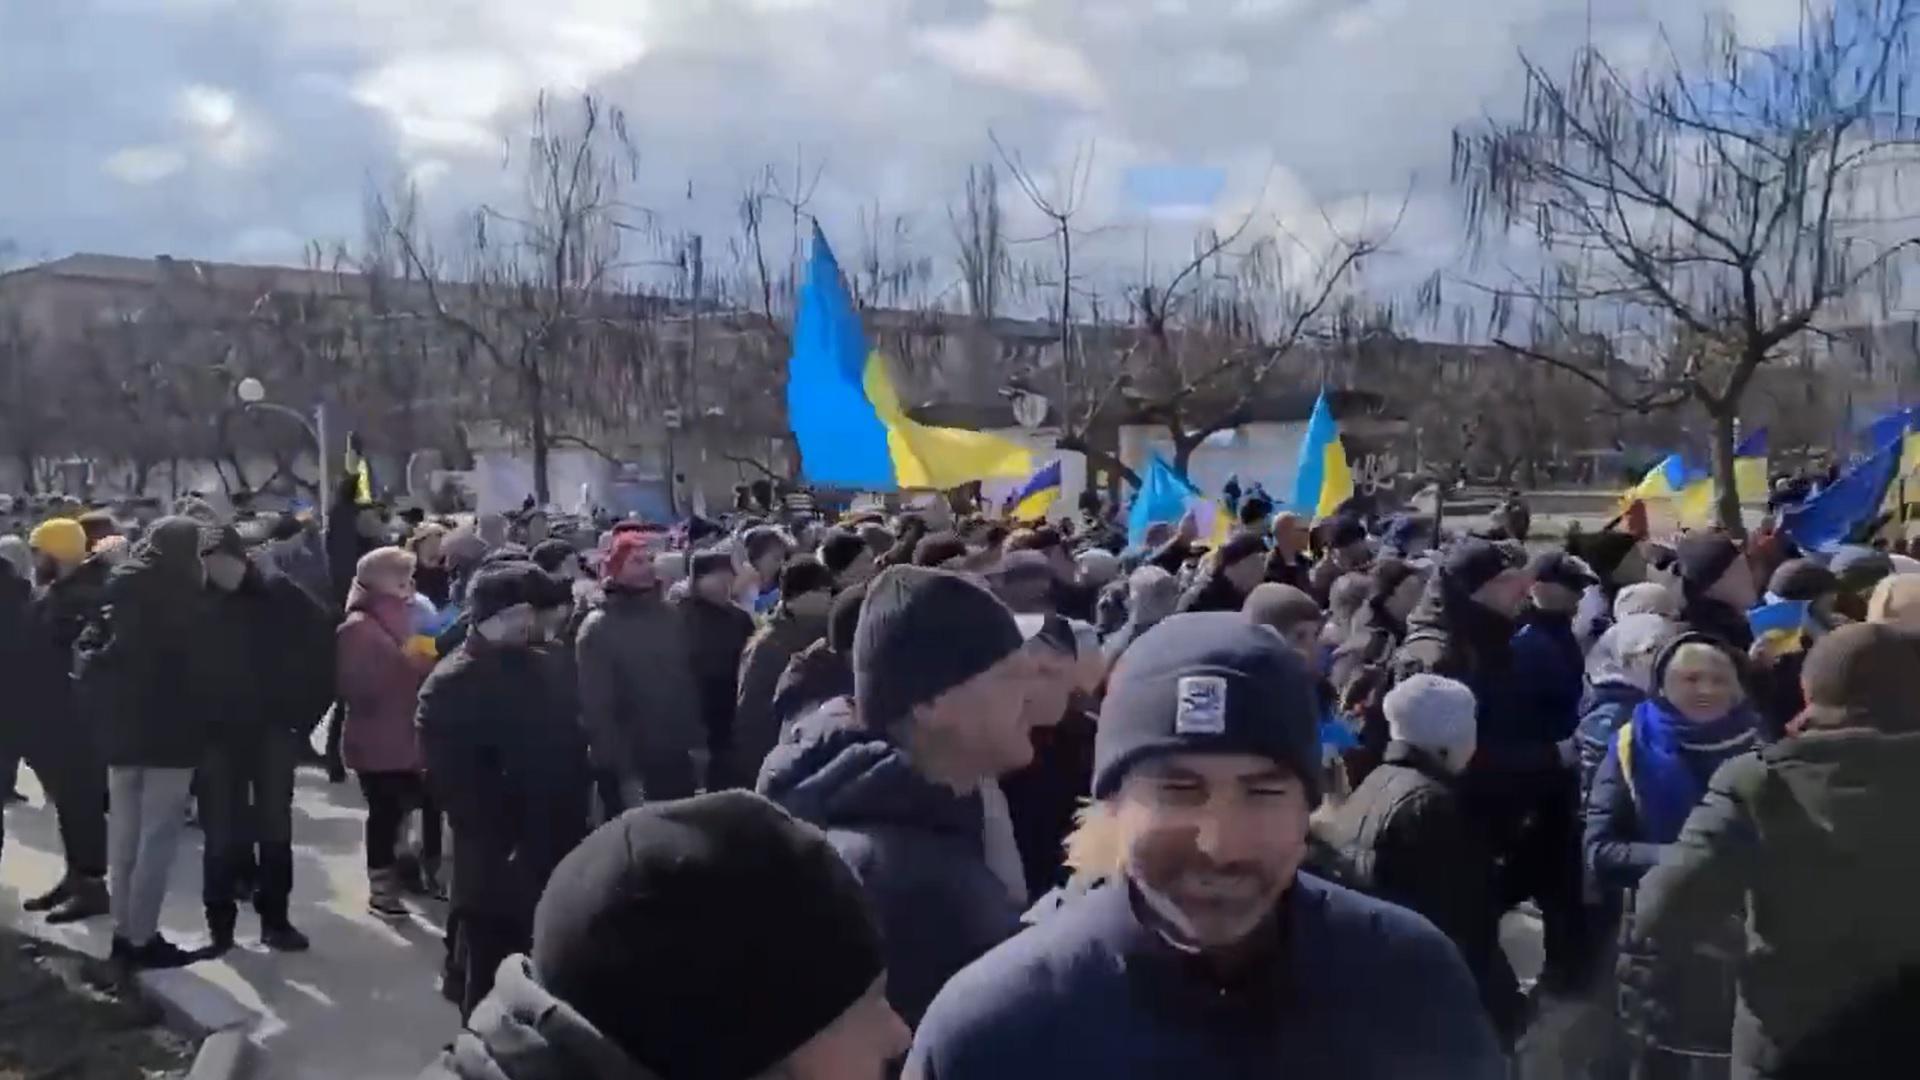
pixel 362 1004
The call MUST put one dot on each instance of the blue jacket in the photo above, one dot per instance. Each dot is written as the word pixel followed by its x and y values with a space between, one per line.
pixel 917 848
pixel 1549 669
pixel 1362 990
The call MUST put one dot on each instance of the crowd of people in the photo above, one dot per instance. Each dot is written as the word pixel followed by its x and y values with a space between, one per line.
pixel 777 797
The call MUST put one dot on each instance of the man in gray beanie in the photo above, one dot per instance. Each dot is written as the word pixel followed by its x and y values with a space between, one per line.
pixel 1406 839
pixel 900 776
pixel 1191 943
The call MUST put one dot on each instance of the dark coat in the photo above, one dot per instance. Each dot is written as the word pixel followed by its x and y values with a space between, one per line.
pixel 1093 992
pixel 344 544
pixel 755 731
pixel 147 667
pixel 1212 592
pixel 1514 767
pixel 1404 837
pixel 1679 997
pixel 918 848
pixel 508 765
pixel 1812 841
pixel 282 642
pixel 17 660
pixel 639 699
pixel 522 1032
pixel 718 635
pixel 59 615
pixel 815 676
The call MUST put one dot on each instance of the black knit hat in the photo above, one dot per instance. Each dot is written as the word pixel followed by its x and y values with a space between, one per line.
pixel 923 632
pixel 844 619
pixel 1209 682
pixel 840 549
pixel 708 938
pixel 803 574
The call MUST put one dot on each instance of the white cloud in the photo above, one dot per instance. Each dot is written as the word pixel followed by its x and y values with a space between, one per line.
pixel 1005 50
pixel 142 165
pixel 208 107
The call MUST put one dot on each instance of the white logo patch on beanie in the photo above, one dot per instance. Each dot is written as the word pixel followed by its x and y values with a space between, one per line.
pixel 1202 708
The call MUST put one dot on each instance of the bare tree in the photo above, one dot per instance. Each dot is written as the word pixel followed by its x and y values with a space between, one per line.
pixel 530 299
pixel 1700 217
pixel 31 407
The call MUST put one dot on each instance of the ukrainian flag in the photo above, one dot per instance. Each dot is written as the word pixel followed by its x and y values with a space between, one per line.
pixel 1166 496
pixel 1690 489
pixel 845 412
pixel 1778 626
pixel 1324 480
pixel 1038 494
pixel 1750 467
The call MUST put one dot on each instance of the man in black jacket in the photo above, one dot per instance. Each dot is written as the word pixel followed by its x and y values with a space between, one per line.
pixel 280 643
pixel 1228 575
pixel 1405 839
pixel 717 632
pixel 59 739
pixel 508 765
pixel 148 667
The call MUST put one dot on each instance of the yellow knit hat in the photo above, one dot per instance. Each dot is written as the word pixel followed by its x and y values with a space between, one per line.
pixel 62 538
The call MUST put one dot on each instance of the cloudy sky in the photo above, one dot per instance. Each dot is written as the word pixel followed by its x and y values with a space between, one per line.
pixel 243 129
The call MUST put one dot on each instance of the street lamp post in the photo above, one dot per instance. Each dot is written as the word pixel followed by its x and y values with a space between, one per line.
pixel 253 395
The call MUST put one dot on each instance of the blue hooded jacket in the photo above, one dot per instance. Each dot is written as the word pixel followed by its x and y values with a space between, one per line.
pixel 917 848
pixel 1358 988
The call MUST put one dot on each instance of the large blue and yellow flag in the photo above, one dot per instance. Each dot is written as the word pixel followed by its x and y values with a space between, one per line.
pixel 1038 494
pixel 846 414
pixel 1324 480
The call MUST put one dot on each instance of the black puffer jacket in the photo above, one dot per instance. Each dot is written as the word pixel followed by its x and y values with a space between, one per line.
pixel 148 671
pixel 507 762
pixel 1404 838
pixel 1812 840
